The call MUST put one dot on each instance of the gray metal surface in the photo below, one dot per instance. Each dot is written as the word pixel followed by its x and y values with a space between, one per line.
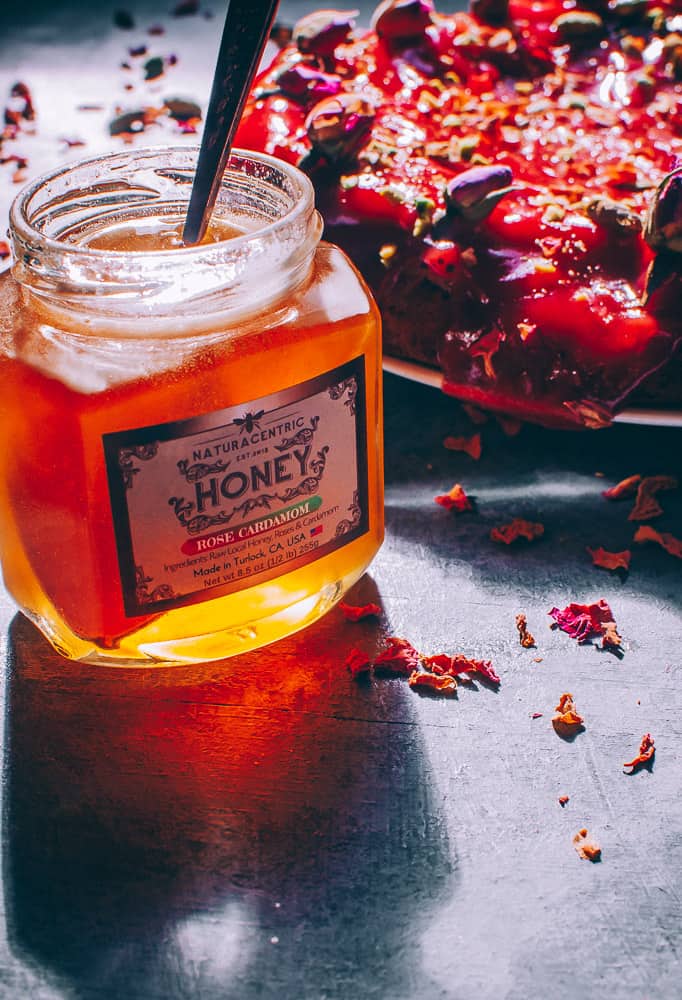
pixel 267 827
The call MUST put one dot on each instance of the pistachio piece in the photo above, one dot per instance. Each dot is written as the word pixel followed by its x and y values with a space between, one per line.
pixel 628 10
pixel 663 224
pixel 576 26
pixel 300 81
pixel 397 19
pixel 474 193
pixel 319 34
pixel 490 11
pixel 338 126
pixel 613 215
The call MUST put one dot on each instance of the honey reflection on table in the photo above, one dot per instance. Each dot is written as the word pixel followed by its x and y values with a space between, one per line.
pixel 218 831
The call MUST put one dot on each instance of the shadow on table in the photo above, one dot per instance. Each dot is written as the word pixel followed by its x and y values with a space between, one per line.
pixel 261 827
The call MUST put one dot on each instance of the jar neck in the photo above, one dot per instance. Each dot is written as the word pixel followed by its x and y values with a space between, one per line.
pixel 269 202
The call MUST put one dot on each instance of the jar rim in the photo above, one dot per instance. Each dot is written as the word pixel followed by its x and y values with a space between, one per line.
pixel 22 227
pixel 274 198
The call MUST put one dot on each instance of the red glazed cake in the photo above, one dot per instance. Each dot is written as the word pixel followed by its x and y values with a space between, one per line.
pixel 509 181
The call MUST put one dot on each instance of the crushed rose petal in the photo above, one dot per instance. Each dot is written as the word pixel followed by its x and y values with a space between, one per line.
pixel 646 753
pixel 4 250
pixel 518 528
pixel 509 426
pixel 475 415
pixel 587 847
pixel 667 541
pixel 455 499
pixel 536 715
pixel 563 799
pixel 469 445
pixel 399 657
pixel 526 638
pixel 646 506
pixel 439 683
pixel 358 663
pixel 582 621
pixel 566 714
pixel 442 663
pixel 625 488
pixel 610 560
pixel 611 636
pixel 353 613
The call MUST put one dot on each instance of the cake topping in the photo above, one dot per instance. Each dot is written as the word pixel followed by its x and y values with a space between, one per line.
pixel 402 19
pixel 338 126
pixel 320 33
pixel 304 81
pixel 474 193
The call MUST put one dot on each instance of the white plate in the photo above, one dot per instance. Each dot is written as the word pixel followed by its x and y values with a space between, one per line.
pixel 431 376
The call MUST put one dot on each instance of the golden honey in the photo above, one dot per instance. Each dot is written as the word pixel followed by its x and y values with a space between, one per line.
pixel 190 464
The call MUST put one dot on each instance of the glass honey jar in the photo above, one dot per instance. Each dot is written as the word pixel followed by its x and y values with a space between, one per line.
pixel 191 454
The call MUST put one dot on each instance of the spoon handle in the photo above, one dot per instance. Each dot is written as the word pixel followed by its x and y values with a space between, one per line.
pixel 247 27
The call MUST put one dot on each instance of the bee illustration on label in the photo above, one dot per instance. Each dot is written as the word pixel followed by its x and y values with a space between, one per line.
pixel 249 422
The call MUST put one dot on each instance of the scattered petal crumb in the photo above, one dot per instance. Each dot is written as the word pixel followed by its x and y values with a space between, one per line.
pixel 646 753
pixel 458 664
pixel 587 848
pixel 509 425
pixel 536 715
pixel 399 657
pixel 4 250
pixel 353 613
pixel 538 659
pixel 582 621
pixel 358 663
pixel 475 415
pixel 518 528
pixel 470 445
pixel 439 683
pixel 455 499
pixel 599 475
pixel 625 488
pixel 566 714
pixel 646 506
pixel 525 637
pixel 667 541
pixel 563 800
pixel 610 560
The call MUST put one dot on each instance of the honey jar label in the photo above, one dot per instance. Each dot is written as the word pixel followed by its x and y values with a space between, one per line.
pixel 228 500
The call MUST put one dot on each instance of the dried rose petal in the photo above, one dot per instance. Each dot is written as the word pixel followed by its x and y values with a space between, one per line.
pixel 185 8
pixel 320 33
pixel 526 639
pixel 474 193
pixel 440 683
pixel 625 488
pixel 563 800
pixel 354 612
pixel 455 499
pixel 610 637
pixel 124 20
pixel 536 715
pixel 509 426
pixel 610 560
pixel 469 445
pixel 582 621
pixel 338 126
pixel 399 657
pixel 646 753
pixel 458 664
pixel 153 68
pixel 587 847
pixel 4 250
pixel 397 19
pixel 663 538
pixel 566 714
pixel 358 663
pixel 518 528
pixel 646 506
pixel 475 415
pixel 306 81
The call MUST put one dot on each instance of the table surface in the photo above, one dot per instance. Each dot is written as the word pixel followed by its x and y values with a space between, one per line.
pixel 268 827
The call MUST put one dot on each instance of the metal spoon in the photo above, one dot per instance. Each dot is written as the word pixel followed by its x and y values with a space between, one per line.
pixel 247 27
